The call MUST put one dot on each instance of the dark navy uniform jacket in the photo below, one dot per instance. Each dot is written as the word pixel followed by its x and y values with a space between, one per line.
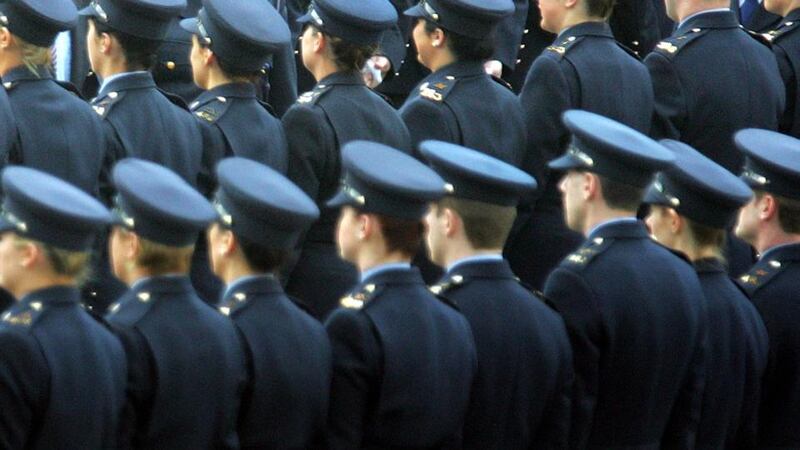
pixel 587 69
pixel 285 403
pixel 634 313
pixel 62 375
pixel 786 46
pixel 57 132
pixel 773 286
pixel 340 109
pixel 761 21
pixel 239 125
pixel 521 396
pixel 142 122
pixel 460 103
pixel 735 363
pixel 403 365
pixel 710 80
pixel 185 367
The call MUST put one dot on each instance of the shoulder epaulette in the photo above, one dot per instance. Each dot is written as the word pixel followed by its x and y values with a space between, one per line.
pixel 212 110
pixel 560 49
pixel 451 282
pixel 760 37
pixel 581 257
pixel 437 89
pixel 674 44
pixel 132 309
pixel 237 302
pixel 361 297
pixel 24 318
pixel 759 276
pixel 175 99
pixel 783 29
pixel 104 104
pixel 312 97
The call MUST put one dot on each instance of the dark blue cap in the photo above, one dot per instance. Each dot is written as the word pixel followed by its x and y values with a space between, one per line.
pixel 359 22
pixel 44 208
pixel 146 19
pixel 608 148
pixel 243 33
pixel 473 18
pixel 38 21
pixel 772 161
pixel 698 188
pixel 382 180
pixel 473 175
pixel 261 205
pixel 159 205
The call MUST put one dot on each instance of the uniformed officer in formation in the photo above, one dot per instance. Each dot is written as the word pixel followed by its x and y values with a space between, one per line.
pixel 585 68
pixel 459 102
pixel 261 217
pixel 522 391
pixel 186 367
pixel 339 37
pixel 703 107
pixel 403 360
pixel 692 204
pixel 62 374
pixel 628 303
pixel 770 222
pixel 785 41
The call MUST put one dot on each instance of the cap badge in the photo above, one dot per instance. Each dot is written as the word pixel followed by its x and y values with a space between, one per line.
pixel 580 155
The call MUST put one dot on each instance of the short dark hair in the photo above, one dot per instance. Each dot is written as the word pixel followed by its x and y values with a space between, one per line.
pixel 788 212
pixel 229 69
pixel 620 195
pixel 140 53
pixel 600 8
pixel 401 235
pixel 487 226
pixel 260 257
pixel 348 56
pixel 465 48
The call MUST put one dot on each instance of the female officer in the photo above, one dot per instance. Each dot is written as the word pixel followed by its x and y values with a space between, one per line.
pixel 339 37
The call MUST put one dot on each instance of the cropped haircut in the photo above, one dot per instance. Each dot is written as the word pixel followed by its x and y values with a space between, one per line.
pixel 401 235
pixel 140 53
pixel 486 225
pixel 621 196
pixel 788 212
pixel 465 48
pixel 347 56
pixel 262 258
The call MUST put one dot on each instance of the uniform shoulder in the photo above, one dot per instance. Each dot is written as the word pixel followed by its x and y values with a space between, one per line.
pixel 361 297
pixel 760 275
pixel 313 96
pixel 129 310
pixel 437 87
pixel 174 99
pixel 783 31
pixel 22 317
pixel 672 46
pixel 561 48
pixel 103 105
pixel 581 258
pixel 210 110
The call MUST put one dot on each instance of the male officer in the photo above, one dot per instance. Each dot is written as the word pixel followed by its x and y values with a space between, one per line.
pixel 704 109
pixel 339 37
pixel 261 217
pixel 459 102
pixel 231 42
pixel 185 363
pixel 585 68
pixel 622 297
pixel 785 42
pixel 755 15
pixel 521 394
pixel 691 205
pixel 403 360
pixel 62 375
pixel 770 222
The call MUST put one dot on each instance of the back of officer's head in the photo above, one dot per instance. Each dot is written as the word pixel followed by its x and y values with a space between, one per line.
pixel 463 47
pixel 486 226
pixel 139 53
pixel 346 55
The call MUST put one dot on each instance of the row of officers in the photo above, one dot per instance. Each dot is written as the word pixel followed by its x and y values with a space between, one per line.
pixel 640 339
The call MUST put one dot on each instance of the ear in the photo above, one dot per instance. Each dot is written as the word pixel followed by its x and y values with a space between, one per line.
pixel 569 4
pixel 132 245
pixel 367 226
pixel 452 222
pixel 676 222
pixel 30 255
pixel 438 38
pixel 591 186
pixel 6 39
pixel 227 242
pixel 106 43
pixel 767 208
pixel 320 43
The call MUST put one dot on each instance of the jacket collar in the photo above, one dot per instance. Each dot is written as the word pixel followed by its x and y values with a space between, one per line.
pixel 482 269
pixel 790 252
pixel 262 284
pixel 137 80
pixel 461 69
pixel 344 77
pixel 709 265
pixel 395 276
pixel 715 19
pixel 622 229
pixel 23 73
pixel 169 284
pixel 53 295
pixel 230 90
pixel 600 29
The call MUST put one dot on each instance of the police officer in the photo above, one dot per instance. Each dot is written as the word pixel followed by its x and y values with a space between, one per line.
pixel 585 68
pixel 62 374
pixel 261 217
pixel 230 44
pixel 339 37
pixel 785 42
pixel 692 204
pixel 521 395
pixel 704 108
pixel 459 102
pixel 403 360
pixel 770 222
pixel 185 363
pixel 755 16
pixel 622 296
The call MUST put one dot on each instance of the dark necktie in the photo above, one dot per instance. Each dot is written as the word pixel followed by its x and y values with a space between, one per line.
pixel 747 10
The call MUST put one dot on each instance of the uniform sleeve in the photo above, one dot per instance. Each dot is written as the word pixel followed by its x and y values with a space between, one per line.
pixel 509 35
pixel 139 392
pixel 425 120
pixel 544 97
pixel 670 102
pixel 681 429
pixel 310 147
pixel 355 375
pixel 574 299
pixel 747 434
pixel 554 428
pixel 24 384
pixel 790 82
pixel 215 147
pixel 283 80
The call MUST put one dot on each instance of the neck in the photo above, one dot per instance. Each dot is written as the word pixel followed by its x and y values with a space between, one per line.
pixel 235 270
pixel 686 245
pixel 370 261
pixel 217 78
pixel 466 251
pixel 690 8
pixel 9 61
pixel 112 66
pixel 768 240
pixel 601 214
pixel 35 283
pixel 323 69
pixel 441 59
pixel 788 9
pixel 575 17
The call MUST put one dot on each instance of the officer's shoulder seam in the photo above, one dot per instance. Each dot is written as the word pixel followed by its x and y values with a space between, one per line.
pixel 586 253
pixel 212 110
pixel 671 46
pixel 560 49
pixel 760 276
pixel 313 96
pixel 25 318
pixel 786 29
pixel 239 301
pixel 361 298
pixel 450 283
pixel 104 105
pixel 436 89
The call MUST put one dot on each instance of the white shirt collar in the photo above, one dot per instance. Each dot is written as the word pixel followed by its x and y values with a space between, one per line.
pixel 111 78
pixel 611 222
pixel 383 268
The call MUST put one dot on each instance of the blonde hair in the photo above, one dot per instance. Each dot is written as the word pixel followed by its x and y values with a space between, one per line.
pixel 70 263
pixel 160 259
pixel 33 56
